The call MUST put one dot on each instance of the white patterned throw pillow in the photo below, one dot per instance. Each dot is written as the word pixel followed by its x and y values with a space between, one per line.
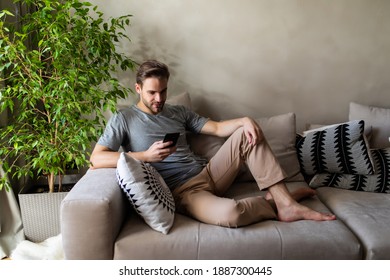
pixel 378 182
pixel 147 192
pixel 340 148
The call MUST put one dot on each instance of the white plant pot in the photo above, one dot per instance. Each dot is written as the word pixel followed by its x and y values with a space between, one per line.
pixel 41 214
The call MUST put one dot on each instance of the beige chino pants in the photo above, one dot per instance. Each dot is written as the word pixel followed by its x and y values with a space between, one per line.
pixel 202 196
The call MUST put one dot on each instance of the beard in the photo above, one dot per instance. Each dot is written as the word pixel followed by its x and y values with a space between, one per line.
pixel 155 107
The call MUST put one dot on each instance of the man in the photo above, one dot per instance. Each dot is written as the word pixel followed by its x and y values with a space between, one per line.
pixel 198 186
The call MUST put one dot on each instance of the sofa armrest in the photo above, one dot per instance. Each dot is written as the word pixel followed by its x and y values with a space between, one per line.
pixel 91 216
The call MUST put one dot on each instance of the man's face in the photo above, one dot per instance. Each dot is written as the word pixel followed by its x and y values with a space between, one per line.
pixel 153 94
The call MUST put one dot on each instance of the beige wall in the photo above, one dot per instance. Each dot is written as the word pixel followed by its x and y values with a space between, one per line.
pixel 265 57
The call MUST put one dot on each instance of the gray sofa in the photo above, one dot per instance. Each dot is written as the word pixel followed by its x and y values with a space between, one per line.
pixel 97 221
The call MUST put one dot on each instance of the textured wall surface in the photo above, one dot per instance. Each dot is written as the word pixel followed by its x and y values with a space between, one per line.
pixel 263 57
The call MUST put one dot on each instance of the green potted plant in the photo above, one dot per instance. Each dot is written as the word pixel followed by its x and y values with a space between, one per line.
pixel 58 66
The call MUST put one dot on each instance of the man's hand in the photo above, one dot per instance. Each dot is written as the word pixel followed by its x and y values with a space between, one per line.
pixel 252 131
pixel 159 151
pixel 103 157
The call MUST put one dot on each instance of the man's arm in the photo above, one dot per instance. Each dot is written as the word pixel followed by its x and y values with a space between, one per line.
pixel 103 157
pixel 226 128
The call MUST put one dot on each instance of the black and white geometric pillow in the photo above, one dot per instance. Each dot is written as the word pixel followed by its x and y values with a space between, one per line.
pixel 378 182
pixel 340 148
pixel 147 192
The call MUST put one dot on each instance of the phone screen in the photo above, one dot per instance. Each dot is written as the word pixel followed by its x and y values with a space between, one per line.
pixel 172 137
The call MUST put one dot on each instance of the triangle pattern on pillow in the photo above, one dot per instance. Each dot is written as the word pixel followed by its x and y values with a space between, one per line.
pixel 147 192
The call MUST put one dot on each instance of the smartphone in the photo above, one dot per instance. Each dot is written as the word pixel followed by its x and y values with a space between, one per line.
pixel 171 137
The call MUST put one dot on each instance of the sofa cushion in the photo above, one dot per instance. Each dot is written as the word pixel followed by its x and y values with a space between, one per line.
pixel 190 239
pixel 376 118
pixel 341 148
pixel 205 146
pixel 366 214
pixel 183 99
pixel 280 132
pixel 147 192
pixel 378 182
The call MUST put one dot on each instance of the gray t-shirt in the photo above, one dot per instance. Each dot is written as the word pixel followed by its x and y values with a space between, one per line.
pixel 136 131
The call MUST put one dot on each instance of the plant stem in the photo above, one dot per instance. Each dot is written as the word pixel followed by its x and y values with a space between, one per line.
pixel 51 177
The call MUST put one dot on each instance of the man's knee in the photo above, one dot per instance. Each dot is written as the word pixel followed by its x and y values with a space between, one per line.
pixel 240 135
pixel 231 215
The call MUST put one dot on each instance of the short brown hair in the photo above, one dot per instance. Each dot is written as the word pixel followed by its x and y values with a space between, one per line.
pixel 152 68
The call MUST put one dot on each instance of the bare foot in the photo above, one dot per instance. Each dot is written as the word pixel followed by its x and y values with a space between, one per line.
pixel 297 195
pixel 297 211
pixel 287 207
